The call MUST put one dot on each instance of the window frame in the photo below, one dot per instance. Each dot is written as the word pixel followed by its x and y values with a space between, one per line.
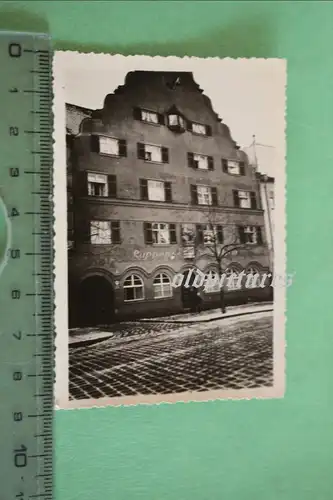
pixel 201 125
pixel 161 285
pixel 253 231
pixel 91 222
pixel 151 112
pixel 157 231
pixel 212 272
pixel 134 286
pixel 210 195
pixel 106 184
pixel 247 198
pixel 102 136
pixel 236 272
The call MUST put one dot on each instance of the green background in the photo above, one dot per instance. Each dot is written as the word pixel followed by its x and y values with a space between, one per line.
pixel 260 450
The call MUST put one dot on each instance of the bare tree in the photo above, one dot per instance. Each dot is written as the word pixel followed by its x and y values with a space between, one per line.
pixel 220 237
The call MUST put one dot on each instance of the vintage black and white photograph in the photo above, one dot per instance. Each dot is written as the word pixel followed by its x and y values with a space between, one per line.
pixel 170 260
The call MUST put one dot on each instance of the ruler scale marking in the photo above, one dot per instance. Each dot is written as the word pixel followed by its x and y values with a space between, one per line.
pixel 26 184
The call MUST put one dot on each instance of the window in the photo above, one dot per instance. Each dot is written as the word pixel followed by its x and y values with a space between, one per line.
pixel 133 288
pixel 201 162
pixel 176 121
pixel 209 234
pixel 212 282
pixel 245 199
pixel 188 234
pixel 104 232
pixel 97 185
pixel 203 195
pixel 271 200
pixel 197 128
pixel 159 233
pixel 233 167
pixel 155 190
pixel 93 184
pixel 148 116
pixel 252 277
pixel 156 154
pixel 162 286
pixel 232 278
pixel 250 235
pixel 108 145
pixel 100 232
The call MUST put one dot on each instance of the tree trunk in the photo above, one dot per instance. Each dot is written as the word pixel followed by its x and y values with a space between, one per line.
pixel 222 294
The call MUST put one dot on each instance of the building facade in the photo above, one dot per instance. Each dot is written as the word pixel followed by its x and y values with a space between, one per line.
pixel 154 178
pixel 267 196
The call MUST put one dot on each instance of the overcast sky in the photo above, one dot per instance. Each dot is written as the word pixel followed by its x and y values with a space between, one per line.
pixel 247 94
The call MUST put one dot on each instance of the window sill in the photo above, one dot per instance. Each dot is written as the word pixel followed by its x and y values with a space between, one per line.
pixel 150 123
pixel 153 162
pixel 198 134
pixel 235 175
pixel 162 298
pixel 134 300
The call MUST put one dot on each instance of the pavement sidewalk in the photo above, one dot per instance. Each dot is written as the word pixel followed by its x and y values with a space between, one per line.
pixel 81 336
pixel 213 314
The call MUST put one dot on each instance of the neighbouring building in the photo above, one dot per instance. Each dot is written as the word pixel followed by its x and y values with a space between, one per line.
pixel 148 174
pixel 267 202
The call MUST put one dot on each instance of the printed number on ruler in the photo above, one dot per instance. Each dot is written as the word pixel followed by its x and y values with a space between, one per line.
pixel 26 292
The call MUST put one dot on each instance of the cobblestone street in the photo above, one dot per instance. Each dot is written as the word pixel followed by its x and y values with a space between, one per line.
pixel 161 358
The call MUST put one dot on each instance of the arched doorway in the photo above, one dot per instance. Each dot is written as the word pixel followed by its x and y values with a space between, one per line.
pixel 96 301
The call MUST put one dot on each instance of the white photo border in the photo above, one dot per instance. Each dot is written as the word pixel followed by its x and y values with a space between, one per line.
pixel 68 59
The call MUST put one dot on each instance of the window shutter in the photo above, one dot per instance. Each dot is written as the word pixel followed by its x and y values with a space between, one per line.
pixel 168 191
pixel 210 163
pixel 259 236
pixel 189 125
pixel 148 233
pixel 112 186
pixel 194 195
pixel 82 183
pixel 122 147
pixel 137 114
pixel 225 165
pixel 144 189
pixel 199 234
pixel 208 130
pixel 161 119
pixel 190 160
pixel 253 199
pixel 236 197
pixel 94 143
pixel 219 234
pixel 115 232
pixel 172 233
pixel 165 155
pixel 82 230
pixel 214 196
pixel 141 150
pixel 242 168
pixel 241 234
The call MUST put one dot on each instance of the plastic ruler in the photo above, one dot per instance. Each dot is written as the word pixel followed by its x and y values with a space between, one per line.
pixel 26 267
